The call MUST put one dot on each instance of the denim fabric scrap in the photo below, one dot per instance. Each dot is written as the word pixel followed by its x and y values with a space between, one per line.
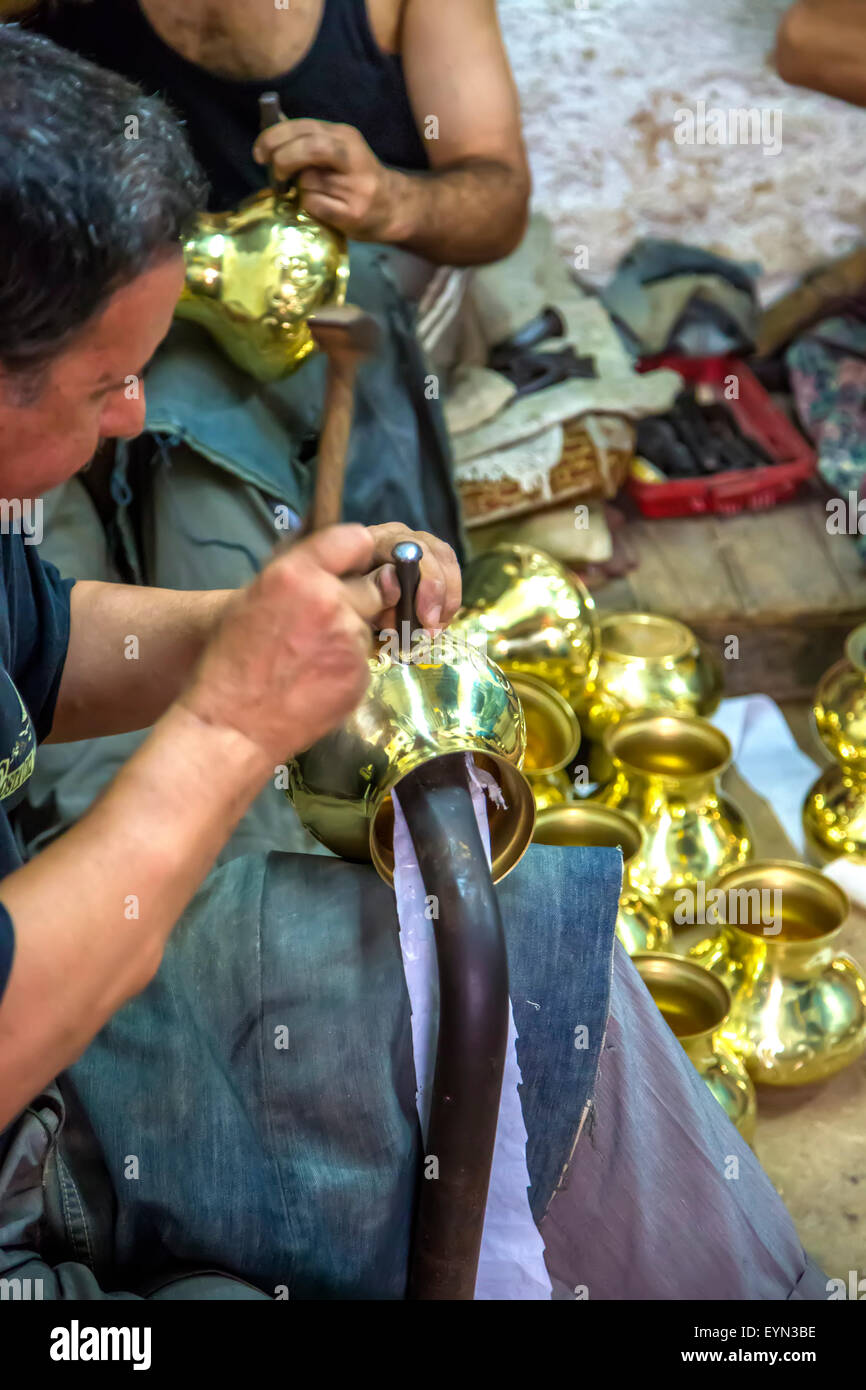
pixel 295 1165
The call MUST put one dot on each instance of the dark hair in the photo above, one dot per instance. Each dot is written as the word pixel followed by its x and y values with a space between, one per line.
pixel 85 206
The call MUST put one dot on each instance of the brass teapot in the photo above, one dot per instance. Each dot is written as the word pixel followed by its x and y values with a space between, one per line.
pixel 448 699
pixel 533 615
pixel 254 277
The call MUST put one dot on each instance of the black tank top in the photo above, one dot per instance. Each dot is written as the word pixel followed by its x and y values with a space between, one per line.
pixel 344 76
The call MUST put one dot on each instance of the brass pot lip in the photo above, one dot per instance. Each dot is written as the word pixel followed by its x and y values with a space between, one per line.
pixel 546 695
pixel 685 644
pixel 691 723
pixel 581 810
pixel 754 868
pixel 855 647
pixel 688 972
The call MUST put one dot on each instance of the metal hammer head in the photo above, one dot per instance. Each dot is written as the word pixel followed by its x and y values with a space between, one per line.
pixel 345 330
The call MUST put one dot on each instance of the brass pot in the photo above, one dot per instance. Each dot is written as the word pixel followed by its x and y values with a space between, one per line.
pixel 415 711
pixel 254 277
pixel 552 739
pixel 839 709
pixel 647 662
pixel 532 615
pixel 695 1005
pixel 799 1005
pixel 666 771
pixel 640 924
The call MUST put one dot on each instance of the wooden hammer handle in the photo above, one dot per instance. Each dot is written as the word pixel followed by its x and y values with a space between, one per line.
pixel 334 444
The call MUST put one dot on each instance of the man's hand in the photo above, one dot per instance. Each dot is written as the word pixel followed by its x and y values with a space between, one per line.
pixel 439 591
pixel 340 179
pixel 289 660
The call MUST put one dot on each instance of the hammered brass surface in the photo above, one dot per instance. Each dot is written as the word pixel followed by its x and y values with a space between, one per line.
pixel 647 662
pixel 695 1005
pixel 254 277
pixel 666 770
pixel 840 704
pixel 640 924
pixel 799 1005
pixel 535 616
pixel 415 711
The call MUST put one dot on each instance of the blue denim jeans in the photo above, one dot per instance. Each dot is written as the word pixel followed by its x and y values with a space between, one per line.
pixel 252 1112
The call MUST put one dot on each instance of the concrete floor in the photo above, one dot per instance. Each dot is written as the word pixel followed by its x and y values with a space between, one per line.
pixel 812 1140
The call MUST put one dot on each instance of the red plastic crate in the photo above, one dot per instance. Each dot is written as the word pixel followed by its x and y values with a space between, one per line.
pixel 737 490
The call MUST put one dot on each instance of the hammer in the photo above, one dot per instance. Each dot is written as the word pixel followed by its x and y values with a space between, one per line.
pixel 346 335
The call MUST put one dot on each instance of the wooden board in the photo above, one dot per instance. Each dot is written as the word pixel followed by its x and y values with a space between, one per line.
pixel 788 591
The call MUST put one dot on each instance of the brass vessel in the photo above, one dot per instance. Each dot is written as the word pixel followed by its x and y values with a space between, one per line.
pixel 799 1005
pixel 416 710
pixel 552 739
pixel 834 812
pixel 255 275
pixel 647 662
pixel 695 1006
pixel 640 924
pixel 532 615
pixel 666 770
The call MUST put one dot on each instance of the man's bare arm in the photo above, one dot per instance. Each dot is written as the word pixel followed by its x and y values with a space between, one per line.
pixel 822 44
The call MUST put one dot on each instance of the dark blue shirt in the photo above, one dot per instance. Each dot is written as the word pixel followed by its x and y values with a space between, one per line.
pixel 34 636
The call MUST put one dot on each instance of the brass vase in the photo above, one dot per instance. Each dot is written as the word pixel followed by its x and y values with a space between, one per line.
pixel 532 616
pixel 552 739
pixel 695 1006
pixel 666 772
pixel 451 699
pixel 799 1004
pixel 254 276
pixel 647 662
pixel 834 812
pixel 640 924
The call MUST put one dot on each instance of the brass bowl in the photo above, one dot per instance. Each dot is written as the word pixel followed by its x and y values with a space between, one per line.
pixel 552 739
pixel 647 662
pixel 840 704
pixel 799 1005
pixel 666 771
pixel 531 615
pixel 695 1005
pixel 415 711
pixel 254 277
pixel 834 815
pixel 640 924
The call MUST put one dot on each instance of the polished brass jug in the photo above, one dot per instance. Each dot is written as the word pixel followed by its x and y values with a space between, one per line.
pixel 552 739
pixel 834 812
pixel 532 615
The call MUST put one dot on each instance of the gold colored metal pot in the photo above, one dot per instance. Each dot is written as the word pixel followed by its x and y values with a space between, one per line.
pixel 834 815
pixel 834 812
pixel 666 770
pixel 535 617
pixel 552 739
pixel 799 1006
pixel 415 711
pixel 640 924
pixel 647 662
pixel 254 277
pixel 695 1005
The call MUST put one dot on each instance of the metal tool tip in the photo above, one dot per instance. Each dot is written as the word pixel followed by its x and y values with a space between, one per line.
pixel 405 552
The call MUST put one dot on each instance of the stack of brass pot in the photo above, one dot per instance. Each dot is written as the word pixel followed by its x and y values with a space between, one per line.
pixel 254 277
pixel 532 616
pixel 799 1005
pixel 695 1005
pixel 552 739
pixel 834 813
pixel 640 924
pixel 646 663
pixel 665 774
pixel 451 700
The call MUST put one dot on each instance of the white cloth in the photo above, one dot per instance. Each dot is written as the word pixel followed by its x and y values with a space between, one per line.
pixel 767 756
pixel 511 1264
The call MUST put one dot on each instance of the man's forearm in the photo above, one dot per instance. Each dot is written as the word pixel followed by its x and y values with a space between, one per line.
pixel 131 651
pixel 467 215
pixel 93 912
